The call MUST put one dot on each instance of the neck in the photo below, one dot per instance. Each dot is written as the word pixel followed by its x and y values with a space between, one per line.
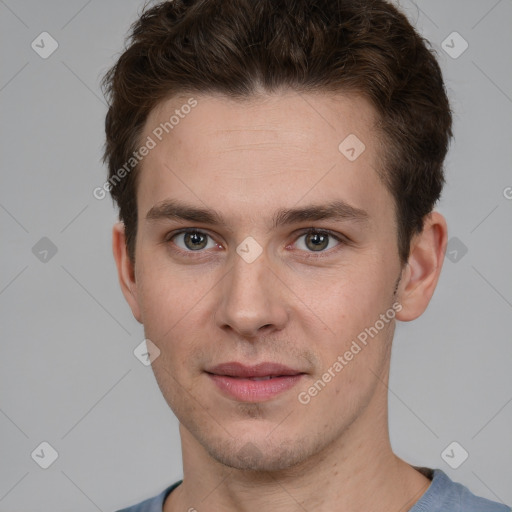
pixel 357 472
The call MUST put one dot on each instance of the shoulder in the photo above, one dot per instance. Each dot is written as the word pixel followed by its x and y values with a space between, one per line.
pixel 154 504
pixel 445 494
pixel 471 503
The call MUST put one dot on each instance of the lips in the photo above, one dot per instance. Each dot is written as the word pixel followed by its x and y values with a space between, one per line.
pixel 257 383
pixel 260 371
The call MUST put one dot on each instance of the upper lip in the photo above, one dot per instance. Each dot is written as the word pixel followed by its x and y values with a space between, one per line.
pixel 235 369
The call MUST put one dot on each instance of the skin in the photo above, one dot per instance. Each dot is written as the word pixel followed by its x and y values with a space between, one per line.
pixel 247 160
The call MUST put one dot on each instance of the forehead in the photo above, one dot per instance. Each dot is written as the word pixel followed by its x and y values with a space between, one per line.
pixel 292 117
pixel 278 147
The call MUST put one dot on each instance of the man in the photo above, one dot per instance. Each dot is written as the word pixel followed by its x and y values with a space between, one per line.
pixel 276 166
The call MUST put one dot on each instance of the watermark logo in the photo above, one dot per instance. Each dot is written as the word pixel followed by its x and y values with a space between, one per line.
pixel 146 352
pixel 454 45
pixel 455 249
pixel 44 45
pixel 249 249
pixel 44 455
pixel 454 455
pixel 44 250
pixel 351 147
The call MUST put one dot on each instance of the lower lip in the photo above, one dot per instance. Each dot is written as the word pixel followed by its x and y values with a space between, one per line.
pixel 247 390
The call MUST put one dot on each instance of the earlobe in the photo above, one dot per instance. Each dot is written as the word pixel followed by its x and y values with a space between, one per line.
pixel 125 269
pixel 422 271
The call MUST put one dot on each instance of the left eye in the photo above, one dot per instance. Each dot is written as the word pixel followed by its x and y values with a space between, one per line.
pixel 317 241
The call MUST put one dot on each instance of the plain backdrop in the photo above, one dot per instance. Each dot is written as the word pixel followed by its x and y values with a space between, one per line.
pixel 68 374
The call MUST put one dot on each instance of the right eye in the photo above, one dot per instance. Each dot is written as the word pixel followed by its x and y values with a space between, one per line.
pixel 192 240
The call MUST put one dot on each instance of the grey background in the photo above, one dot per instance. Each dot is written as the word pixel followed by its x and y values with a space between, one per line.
pixel 68 375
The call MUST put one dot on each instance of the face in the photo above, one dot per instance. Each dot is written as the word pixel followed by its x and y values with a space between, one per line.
pixel 292 258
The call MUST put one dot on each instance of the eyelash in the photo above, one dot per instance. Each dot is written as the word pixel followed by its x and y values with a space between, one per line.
pixel 319 254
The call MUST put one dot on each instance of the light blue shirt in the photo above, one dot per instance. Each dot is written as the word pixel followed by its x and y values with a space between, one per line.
pixel 443 495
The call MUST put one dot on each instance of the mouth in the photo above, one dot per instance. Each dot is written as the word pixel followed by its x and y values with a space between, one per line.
pixel 257 383
pixel 268 377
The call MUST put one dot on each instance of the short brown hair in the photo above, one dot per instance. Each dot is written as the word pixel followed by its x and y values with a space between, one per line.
pixel 237 47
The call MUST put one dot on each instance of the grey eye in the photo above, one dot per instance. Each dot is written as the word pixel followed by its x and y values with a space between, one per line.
pixel 317 241
pixel 193 240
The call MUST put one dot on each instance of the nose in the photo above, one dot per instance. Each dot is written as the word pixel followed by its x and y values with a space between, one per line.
pixel 252 299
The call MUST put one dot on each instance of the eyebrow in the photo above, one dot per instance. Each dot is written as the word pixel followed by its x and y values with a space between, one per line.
pixel 335 210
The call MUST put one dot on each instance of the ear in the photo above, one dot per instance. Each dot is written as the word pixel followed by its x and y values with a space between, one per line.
pixel 125 269
pixel 421 273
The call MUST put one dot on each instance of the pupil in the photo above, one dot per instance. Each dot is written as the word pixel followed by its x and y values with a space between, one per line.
pixel 319 241
pixel 196 240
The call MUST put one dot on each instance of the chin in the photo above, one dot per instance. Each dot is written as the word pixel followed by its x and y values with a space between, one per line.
pixel 261 456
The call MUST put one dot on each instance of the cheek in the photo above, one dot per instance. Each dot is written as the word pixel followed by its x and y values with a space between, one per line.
pixel 349 304
pixel 176 313
pixel 350 298
pixel 166 296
